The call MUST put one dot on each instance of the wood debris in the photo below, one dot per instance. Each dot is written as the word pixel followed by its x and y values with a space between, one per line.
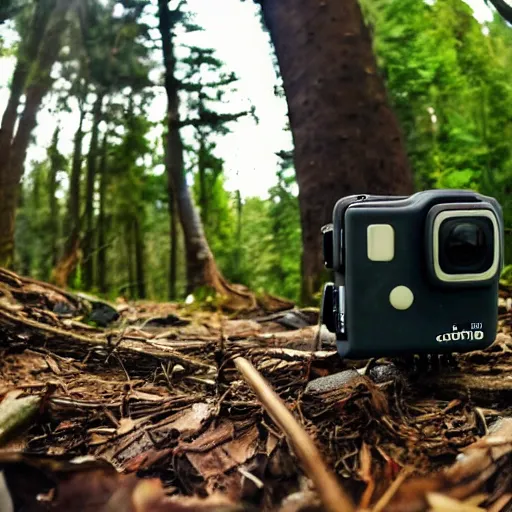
pixel 150 413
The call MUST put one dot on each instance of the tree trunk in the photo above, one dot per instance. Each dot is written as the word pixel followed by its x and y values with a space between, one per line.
pixel 55 163
pixel 202 270
pixel 102 247
pixel 12 160
pixel 201 167
pixel 238 248
pixel 27 54
pixel 138 238
pixel 129 256
pixel 173 260
pixel 92 157
pixel 173 224
pixel 73 220
pixel 198 255
pixel 69 260
pixel 26 252
pixel 347 139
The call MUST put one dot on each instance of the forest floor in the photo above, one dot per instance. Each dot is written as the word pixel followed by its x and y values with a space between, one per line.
pixel 152 413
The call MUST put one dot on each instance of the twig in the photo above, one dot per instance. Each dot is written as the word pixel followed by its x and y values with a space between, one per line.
pixel 124 369
pixel 481 416
pixel 333 497
pixel 47 329
pixel 164 353
pixel 79 404
pixel 254 479
pixel 174 355
pixel 390 492
pixel 166 374
pixel 501 503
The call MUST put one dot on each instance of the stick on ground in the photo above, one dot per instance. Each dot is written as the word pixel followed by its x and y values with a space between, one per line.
pixel 333 497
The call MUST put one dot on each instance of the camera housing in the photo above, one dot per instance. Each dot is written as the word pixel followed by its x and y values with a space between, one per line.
pixel 413 274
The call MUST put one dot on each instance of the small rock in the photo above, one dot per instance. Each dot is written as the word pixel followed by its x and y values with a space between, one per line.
pixel 177 368
pixel 331 382
pixel 299 318
pixel 102 312
pixel 167 321
pixel 63 308
pixel 384 373
pixel 293 320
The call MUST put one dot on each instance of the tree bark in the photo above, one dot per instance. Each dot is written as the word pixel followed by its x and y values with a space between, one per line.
pixel 201 168
pixel 74 180
pixel 138 238
pixel 92 157
pixel 55 164
pixel 173 260
pixel 129 256
pixel 202 270
pixel 238 249
pixel 198 254
pixel 69 260
pixel 27 54
pixel 347 139
pixel 12 160
pixel 173 224
pixel 102 246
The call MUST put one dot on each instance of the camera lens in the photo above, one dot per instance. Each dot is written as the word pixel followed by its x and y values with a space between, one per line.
pixel 466 245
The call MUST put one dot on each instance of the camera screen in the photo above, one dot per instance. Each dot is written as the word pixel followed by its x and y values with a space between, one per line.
pixel 466 245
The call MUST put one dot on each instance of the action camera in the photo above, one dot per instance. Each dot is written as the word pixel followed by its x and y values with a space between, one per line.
pixel 413 274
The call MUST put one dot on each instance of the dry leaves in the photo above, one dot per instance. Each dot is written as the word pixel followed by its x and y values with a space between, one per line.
pixel 156 400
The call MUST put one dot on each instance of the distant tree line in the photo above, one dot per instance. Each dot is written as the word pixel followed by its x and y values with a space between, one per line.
pixel 385 96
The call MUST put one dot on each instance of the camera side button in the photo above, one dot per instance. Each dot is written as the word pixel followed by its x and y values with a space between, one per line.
pixel 401 298
pixel 381 242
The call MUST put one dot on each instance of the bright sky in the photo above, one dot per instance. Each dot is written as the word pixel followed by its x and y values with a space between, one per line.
pixel 233 29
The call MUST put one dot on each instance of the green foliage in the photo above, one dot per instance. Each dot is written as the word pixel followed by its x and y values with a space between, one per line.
pixel 448 77
pixel 34 227
pixel 220 225
pixel 286 244
pixel 271 239
pixel 115 47
pixel 135 194
pixel 10 8
pixel 450 82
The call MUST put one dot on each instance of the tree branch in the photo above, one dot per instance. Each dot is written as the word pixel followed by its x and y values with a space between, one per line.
pixel 332 495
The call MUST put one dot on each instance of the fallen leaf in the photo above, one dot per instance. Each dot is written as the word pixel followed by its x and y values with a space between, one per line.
pixel 271 444
pixel 97 439
pixel 126 425
pixel 226 456
pixel 141 395
pixel 53 365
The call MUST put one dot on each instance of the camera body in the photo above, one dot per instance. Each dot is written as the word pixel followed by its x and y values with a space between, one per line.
pixel 413 274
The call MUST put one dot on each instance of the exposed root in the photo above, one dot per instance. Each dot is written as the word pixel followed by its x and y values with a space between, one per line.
pixel 67 263
pixel 238 298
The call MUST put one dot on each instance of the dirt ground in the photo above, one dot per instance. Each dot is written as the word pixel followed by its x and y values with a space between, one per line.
pixel 142 408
